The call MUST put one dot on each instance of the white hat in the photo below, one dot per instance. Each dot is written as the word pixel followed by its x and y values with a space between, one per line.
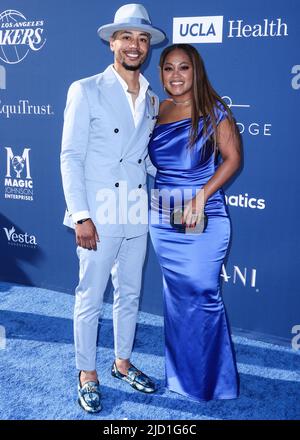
pixel 135 17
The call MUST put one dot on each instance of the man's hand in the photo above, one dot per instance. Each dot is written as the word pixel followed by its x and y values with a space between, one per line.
pixel 87 235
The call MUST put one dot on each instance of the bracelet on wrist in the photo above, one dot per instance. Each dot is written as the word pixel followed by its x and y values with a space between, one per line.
pixel 79 222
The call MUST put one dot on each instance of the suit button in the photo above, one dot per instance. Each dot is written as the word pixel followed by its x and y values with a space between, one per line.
pixel 140 161
pixel 121 160
pixel 140 186
pixel 117 184
pixel 116 130
pixel 150 135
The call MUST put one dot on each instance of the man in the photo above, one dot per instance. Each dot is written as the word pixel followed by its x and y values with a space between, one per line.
pixel 108 122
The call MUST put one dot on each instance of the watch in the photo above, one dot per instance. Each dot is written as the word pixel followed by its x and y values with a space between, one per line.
pixel 79 222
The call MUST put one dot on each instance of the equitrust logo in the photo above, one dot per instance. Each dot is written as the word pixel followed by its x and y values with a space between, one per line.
pixel 19 36
pixel 213 29
pixel 25 107
pixel 18 182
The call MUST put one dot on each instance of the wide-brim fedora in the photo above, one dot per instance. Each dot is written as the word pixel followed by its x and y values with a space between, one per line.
pixel 132 17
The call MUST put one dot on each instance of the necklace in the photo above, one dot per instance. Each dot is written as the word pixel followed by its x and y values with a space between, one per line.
pixel 133 92
pixel 181 102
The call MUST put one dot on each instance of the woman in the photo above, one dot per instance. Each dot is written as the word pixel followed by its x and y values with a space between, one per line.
pixel 195 129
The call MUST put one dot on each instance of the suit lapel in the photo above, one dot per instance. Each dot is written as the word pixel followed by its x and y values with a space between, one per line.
pixel 146 123
pixel 112 94
pixel 114 99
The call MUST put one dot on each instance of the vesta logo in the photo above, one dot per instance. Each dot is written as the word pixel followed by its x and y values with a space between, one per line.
pixel 25 239
pixel 198 29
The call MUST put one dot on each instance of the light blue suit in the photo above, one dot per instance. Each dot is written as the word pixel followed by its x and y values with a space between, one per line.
pixel 102 151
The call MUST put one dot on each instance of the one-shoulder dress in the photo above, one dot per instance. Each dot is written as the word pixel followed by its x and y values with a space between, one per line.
pixel 199 356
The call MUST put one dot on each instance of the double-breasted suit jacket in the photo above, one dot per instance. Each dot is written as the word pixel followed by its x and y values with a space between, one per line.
pixel 104 157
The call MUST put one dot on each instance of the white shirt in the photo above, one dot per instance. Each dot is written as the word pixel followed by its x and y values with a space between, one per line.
pixel 137 111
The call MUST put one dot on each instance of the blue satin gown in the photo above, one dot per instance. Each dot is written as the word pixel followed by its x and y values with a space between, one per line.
pixel 200 361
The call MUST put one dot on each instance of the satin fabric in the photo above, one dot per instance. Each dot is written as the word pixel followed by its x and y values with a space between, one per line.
pixel 199 356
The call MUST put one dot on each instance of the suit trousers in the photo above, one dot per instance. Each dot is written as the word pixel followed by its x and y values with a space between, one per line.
pixel 122 258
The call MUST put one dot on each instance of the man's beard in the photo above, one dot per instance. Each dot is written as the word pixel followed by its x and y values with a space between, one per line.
pixel 131 68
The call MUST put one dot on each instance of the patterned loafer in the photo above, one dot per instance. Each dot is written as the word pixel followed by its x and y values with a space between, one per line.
pixel 138 380
pixel 89 396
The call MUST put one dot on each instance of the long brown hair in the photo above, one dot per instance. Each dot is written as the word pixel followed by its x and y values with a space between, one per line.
pixel 205 99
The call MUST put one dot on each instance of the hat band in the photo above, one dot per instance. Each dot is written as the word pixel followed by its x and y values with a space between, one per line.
pixel 134 20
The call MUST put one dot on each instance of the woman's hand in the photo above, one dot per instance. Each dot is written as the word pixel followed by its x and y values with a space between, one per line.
pixel 193 211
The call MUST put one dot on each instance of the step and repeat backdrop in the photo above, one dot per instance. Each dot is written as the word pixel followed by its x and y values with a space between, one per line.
pixel 253 60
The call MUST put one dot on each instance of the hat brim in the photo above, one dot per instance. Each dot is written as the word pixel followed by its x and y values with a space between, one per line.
pixel 106 32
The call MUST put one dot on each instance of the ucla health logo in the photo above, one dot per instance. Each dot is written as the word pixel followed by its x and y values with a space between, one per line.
pixel 18 182
pixel 23 239
pixel 198 29
pixel 210 29
pixel 18 36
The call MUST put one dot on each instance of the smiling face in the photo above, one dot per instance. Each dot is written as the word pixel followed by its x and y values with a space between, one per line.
pixel 130 48
pixel 177 75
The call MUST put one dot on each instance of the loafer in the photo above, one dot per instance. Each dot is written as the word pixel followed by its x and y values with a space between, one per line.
pixel 138 380
pixel 89 396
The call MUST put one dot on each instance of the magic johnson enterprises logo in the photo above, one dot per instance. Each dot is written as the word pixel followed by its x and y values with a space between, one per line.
pixel 21 239
pixel 211 29
pixel 18 36
pixel 18 183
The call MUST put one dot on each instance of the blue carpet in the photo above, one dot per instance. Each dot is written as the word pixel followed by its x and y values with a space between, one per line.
pixel 38 377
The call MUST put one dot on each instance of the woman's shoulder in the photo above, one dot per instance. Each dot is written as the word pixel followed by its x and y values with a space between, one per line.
pixel 222 108
pixel 164 109
pixel 165 103
pixel 221 112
